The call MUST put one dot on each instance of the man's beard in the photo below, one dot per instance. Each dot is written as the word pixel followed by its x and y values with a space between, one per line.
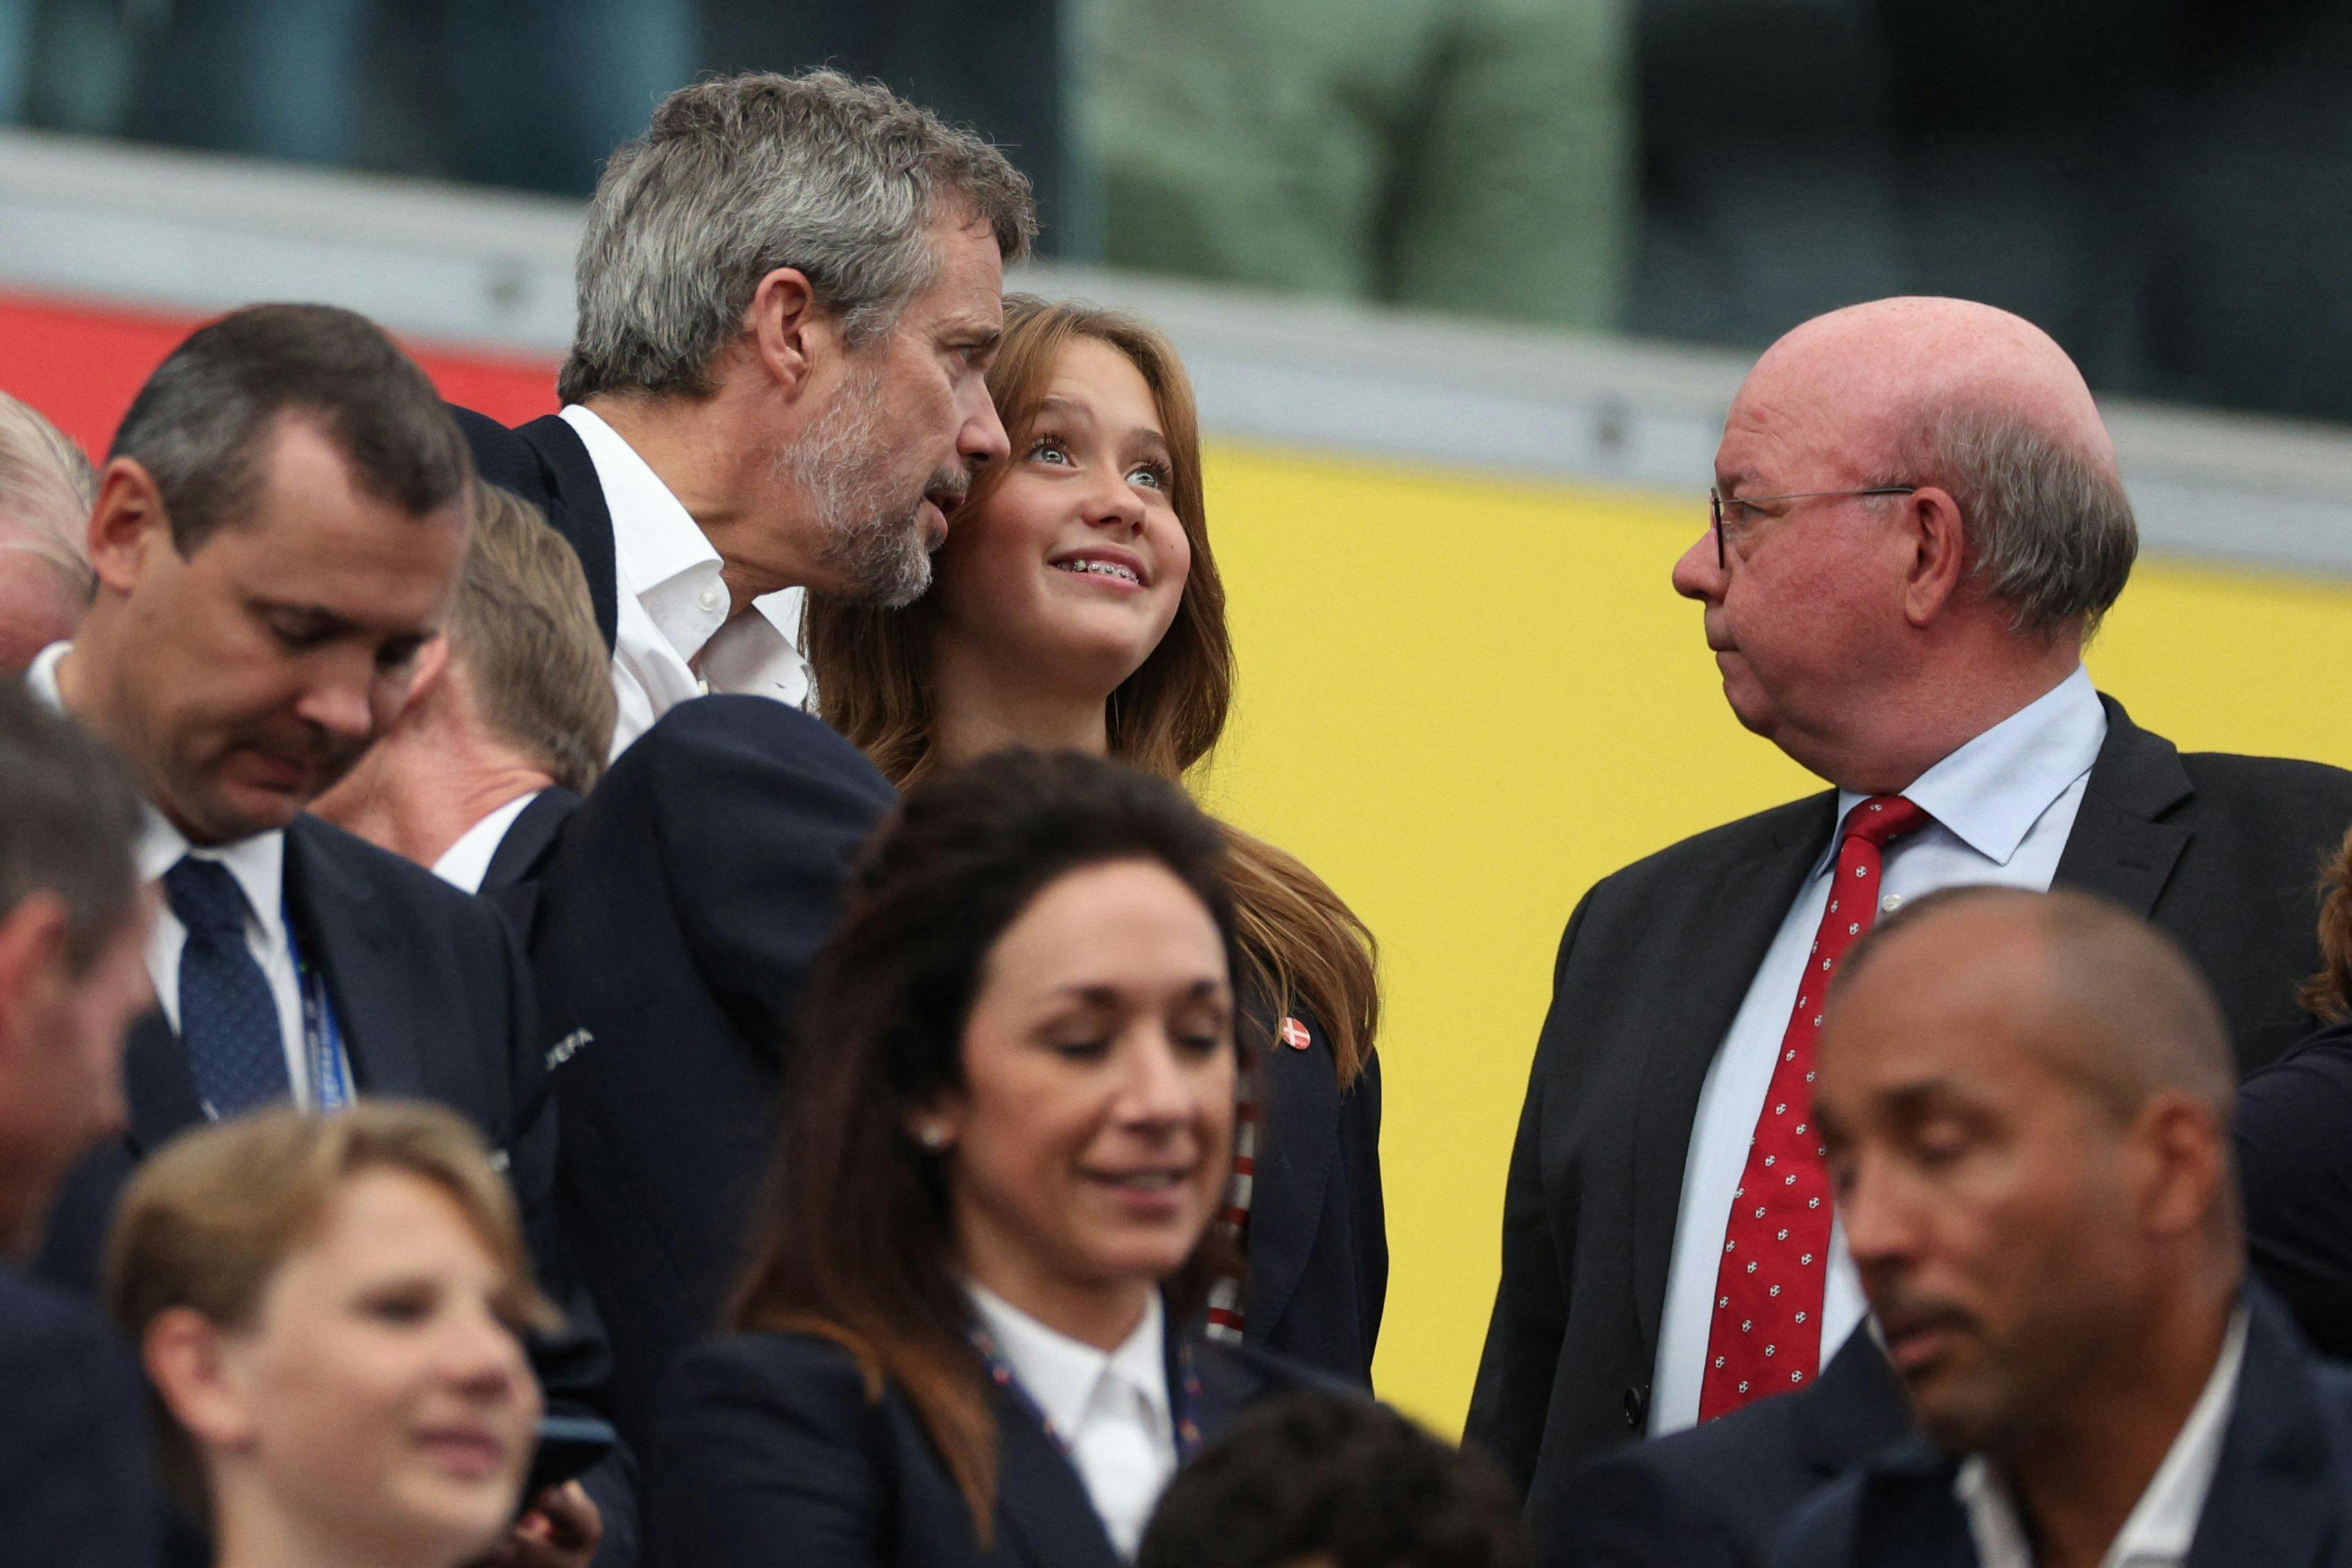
pixel 869 537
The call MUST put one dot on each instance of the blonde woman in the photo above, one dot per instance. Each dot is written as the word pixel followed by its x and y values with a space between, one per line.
pixel 1076 606
pixel 330 1311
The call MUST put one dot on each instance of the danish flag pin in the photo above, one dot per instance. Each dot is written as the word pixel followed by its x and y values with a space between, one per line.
pixel 1294 1035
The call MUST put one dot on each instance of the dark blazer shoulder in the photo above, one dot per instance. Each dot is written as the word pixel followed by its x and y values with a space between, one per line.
pixel 546 464
pixel 1759 833
pixel 347 863
pixel 75 1484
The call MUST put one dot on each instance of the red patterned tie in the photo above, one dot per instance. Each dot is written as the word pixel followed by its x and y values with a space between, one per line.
pixel 1767 1337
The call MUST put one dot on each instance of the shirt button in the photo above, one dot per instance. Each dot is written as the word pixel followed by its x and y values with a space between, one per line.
pixel 1890 903
pixel 710 599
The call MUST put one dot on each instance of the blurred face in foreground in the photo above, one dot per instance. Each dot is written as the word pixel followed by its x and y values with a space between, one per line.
pixel 1074 562
pixel 380 1395
pixel 247 676
pixel 1093 1139
pixel 1995 1208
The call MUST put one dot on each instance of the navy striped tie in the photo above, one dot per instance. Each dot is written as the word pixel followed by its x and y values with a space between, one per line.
pixel 228 1020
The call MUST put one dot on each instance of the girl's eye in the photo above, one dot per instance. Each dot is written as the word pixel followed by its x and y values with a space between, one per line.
pixel 1049 448
pixel 1150 474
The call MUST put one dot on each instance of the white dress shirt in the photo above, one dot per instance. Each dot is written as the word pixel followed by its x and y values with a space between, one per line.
pixel 2003 807
pixel 2163 1524
pixel 257 863
pixel 1110 1410
pixel 464 863
pixel 673 640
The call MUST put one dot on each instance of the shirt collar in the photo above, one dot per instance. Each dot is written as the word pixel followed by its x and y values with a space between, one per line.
pixel 1990 792
pixel 1061 1374
pixel 258 863
pixel 2161 1526
pixel 655 539
pixel 466 862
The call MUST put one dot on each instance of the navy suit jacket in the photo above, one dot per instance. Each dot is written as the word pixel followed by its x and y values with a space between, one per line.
pixel 1717 1496
pixel 434 1001
pixel 2295 1168
pixel 1318 1243
pixel 2281 1496
pixel 770 1439
pixel 75 1486
pixel 2220 851
pixel 546 464
pixel 676 928
pixel 511 880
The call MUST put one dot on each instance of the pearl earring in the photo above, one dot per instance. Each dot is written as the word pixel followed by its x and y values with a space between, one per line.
pixel 933 1137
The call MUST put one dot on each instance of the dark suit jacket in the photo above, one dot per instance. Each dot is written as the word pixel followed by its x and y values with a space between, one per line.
pixel 2220 851
pixel 511 880
pixel 2281 1495
pixel 433 1000
pixel 1717 1496
pixel 546 463
pixel 75 1486
pixel 771 1438
pixel 675 929
pixel 2295 1167
pixel 1318 1244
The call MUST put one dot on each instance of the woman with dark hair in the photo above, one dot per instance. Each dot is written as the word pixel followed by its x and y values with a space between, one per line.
pixel 1077 604
pixel 1003 1145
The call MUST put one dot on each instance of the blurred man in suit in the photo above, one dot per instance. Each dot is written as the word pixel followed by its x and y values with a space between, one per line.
pixel 789 300
pixel 676 925
pixel 506 725
pixel 74 1482
pixel 276 539
pixel 1918 523
pixel 46 491
pixel 2026 1101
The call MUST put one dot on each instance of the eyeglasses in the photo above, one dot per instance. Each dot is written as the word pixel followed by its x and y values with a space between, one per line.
pixel 1715 504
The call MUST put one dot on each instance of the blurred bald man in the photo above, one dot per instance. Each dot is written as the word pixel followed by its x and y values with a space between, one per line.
pixel 1917 524
pixel 2026 1101
pixel 47 489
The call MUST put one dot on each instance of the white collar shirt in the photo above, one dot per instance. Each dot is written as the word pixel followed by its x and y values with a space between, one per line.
pixel 258 864
pixel 673 640
pixel 2003 806
pixel 2162 1525
pixel 464 863
pixel 1110 1411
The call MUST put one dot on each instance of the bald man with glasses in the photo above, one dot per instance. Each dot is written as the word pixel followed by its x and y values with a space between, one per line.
pixel 1916 522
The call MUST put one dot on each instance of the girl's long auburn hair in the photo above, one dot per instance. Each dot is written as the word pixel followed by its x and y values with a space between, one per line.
pixel 1302 947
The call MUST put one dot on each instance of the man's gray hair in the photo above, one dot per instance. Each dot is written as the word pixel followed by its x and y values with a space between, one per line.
pixel 2049 530
pixel 46 490
pixel 739 176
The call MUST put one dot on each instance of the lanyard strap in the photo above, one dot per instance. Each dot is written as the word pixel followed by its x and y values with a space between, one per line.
pixel 322 1039
pixel 1184 1398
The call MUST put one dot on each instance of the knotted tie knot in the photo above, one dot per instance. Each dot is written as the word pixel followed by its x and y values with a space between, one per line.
pixel 1882 819
pixel 205 898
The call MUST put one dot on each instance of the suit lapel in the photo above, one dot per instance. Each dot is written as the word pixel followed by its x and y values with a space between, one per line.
pixel 1298 1142
pixel 1685 1023
pixel 2274 1500
pixel 2118 849
pixel 529 838
pixel 158 1084
pixel 345 934
pixel 581 513
pixel 1040 1498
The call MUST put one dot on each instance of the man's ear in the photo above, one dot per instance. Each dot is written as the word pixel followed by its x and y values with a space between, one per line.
pixel 791 335
pixel 127 526
pixel 188 1360
pixel 1939 558
pixel 2187 1163
pixel 432 667
pixel 33 941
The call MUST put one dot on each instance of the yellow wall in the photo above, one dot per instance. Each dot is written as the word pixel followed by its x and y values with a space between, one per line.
pixel 1463 701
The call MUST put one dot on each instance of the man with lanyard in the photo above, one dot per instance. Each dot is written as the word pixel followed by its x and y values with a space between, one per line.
pixel 277 532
